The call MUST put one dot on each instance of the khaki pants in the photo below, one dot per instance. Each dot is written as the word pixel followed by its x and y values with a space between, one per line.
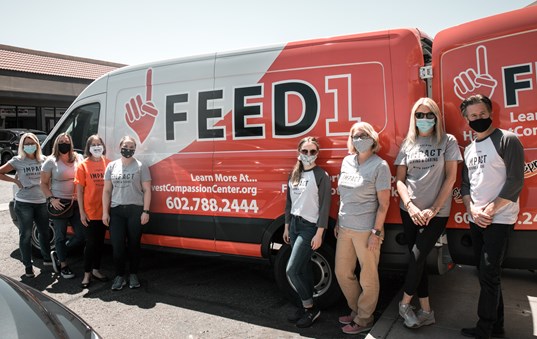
pixel 362 295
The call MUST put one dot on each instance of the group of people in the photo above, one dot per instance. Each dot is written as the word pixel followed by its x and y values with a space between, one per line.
pixel 426 170
pixel 88 192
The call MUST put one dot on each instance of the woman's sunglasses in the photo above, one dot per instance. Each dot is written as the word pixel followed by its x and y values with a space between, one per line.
pixel 311 151
pixel 428 115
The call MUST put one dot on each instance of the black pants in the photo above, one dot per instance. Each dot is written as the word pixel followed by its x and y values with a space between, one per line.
pixel 125 235
pixel 94 234
pixel 489 246
pixel 421 241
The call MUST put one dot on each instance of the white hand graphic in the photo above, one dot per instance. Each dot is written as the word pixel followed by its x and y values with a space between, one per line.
pixel 478 81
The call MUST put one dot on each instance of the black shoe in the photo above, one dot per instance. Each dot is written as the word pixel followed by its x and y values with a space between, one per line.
pixel 55 261
pixel 294 317
pixel 29 272
pixel 471 332
pixel 310 315
pixel 67 273
pixel 104 278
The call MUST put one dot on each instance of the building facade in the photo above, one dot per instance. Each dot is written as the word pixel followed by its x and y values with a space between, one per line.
pixel 37 87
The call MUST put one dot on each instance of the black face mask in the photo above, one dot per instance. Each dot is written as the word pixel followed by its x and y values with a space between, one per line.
pixel 480 125
pixel 127 153
pixel 64 148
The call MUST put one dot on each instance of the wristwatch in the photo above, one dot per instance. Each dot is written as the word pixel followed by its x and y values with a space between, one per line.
pixel 146 211
pixel 376 232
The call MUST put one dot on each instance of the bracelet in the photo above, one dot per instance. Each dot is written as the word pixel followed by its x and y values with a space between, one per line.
pixel 435 209
pixel 408 203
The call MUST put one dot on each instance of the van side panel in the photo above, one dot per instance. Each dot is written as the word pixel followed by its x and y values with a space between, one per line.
pixel 220 132
pixel 497 57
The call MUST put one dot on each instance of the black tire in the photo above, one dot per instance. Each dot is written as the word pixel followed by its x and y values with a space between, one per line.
pixel 327 291
pixel 6 157
pixel 35 239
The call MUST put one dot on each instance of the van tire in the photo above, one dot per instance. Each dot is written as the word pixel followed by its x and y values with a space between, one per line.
pixel 326 286
pixel 36 247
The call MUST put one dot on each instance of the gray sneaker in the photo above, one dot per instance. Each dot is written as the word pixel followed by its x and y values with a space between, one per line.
pixel 425 318
pixel 406 311
pixel 133 281
pixel 118 283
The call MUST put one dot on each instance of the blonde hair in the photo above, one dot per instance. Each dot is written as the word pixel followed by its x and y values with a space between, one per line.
pixel 38 152
pixel 369 130
pixel 299 168
pixel 413 132
pixel 56 151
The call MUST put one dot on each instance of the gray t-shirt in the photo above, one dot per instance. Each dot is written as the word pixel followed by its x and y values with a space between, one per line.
pixel 29 174
pixel 358 186
pixel 425 162
pixel 127 182
pixel 62 177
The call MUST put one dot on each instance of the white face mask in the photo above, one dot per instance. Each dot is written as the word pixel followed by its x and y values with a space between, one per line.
pixel 363 144
pixel 96 151
pixel 307 160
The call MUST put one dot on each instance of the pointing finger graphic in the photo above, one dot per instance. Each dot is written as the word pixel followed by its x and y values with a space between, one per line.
pixel 141 113
pixel 475 81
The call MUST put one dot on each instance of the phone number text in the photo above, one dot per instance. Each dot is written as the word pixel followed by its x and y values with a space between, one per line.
pixel 212 205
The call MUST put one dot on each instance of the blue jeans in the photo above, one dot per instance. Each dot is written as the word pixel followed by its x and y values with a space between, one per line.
pixel 299 269
pixel 27 213
pixel 60 228
pixel 125 236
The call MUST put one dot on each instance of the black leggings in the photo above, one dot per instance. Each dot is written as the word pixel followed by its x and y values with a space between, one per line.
pixel 421 241
pixel 125 235
pixel 94 234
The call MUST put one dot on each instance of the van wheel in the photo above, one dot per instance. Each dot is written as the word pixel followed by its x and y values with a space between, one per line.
pixel 327 291
pixel 439 261
pixel 35 239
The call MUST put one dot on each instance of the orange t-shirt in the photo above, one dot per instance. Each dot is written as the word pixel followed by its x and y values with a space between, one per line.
pixel 90 175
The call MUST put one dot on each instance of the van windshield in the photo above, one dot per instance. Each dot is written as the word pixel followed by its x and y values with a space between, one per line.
pixel 82 122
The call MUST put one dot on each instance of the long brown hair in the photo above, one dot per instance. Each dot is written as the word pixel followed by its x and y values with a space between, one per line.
pixel 299 168
pixel 56 151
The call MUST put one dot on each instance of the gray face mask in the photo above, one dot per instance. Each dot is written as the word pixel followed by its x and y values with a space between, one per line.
pixel 363 144
pixel 307 160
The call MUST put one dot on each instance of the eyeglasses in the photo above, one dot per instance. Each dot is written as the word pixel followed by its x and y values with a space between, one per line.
pixel 311 151
pixel 361 136
pixel 422 115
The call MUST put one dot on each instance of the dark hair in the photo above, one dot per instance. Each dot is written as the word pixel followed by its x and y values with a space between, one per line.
pixel 127 138
pixel 475 99
pixel 299 168
pixel 87 152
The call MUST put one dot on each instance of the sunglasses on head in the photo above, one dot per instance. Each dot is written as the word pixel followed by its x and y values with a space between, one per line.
pixel 422 115
pixel 311 151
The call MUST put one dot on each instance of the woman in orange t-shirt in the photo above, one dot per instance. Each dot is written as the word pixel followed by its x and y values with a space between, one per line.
pixel 90 181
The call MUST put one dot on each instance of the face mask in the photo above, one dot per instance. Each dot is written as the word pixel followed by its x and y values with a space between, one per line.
pixel 307 160
pixel 425 125
pixel 96 151
pixel 30 149
pixel 480 125
pixel 127 153
pixel 64 148
pixel 363 144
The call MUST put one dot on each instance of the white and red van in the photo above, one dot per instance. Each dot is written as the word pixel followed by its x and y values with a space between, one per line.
pixel 220 131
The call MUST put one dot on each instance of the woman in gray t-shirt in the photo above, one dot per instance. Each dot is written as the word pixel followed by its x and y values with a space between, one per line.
pixel 426 172
pixel 57 183
pixel 126 201
pixel 364 187
pixel 30 203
